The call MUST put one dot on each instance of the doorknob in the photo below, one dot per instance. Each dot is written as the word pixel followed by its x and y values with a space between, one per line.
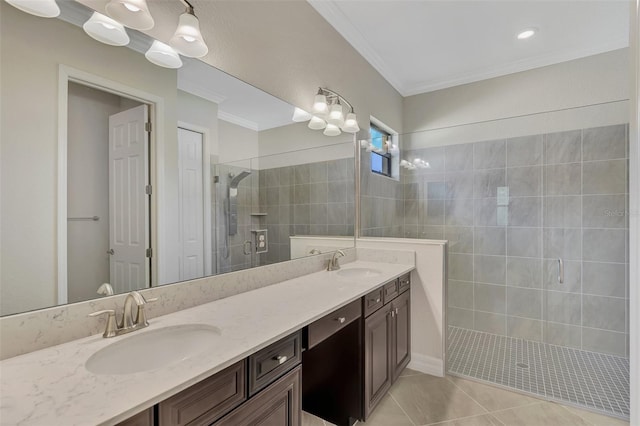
pixel 111 252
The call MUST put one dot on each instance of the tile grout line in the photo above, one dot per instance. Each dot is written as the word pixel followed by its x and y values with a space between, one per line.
pixel 401 409
pixel 463 391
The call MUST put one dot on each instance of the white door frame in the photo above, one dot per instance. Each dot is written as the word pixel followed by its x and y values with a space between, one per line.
pixel 206 188
pixel 68 74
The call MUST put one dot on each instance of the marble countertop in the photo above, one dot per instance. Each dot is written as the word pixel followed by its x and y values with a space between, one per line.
pixel 53 387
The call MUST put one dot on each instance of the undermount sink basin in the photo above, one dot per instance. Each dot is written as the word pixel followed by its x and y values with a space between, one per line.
pixel 153 349
pixel 358 273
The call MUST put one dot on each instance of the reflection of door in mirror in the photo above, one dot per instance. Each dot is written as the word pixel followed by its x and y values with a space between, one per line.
pixel 191 196
pixel 107 207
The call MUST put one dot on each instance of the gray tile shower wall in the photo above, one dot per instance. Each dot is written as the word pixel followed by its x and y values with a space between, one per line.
pixel 511 208
pixel 306 199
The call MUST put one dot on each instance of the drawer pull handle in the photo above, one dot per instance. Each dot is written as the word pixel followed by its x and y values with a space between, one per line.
pixel 396 311
pixel 376 300
pixel 341 320
pixel 280 358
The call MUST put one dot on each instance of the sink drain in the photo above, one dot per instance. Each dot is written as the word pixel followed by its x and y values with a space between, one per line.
pixel 522 365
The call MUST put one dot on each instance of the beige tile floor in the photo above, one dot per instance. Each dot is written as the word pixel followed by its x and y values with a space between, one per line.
pixel 418 399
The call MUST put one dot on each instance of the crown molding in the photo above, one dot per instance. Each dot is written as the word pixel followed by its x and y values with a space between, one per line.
pixel 513 67
pixel 234 119
pixel 330 11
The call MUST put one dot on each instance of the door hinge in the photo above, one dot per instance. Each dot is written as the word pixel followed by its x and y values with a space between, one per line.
pixel 147 126
pixel 148 189
pixel 149 252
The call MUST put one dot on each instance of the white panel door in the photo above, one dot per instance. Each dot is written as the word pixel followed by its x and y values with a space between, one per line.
pixel 128 201
pixel 191 204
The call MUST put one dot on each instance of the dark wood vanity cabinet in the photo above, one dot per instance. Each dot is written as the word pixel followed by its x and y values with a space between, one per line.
pixel 145 418
pixel 264 389
pixel 206 401
pixel 387 341
pixel 400 334
pixel 350 359
pixel 277 405
pixel 377 357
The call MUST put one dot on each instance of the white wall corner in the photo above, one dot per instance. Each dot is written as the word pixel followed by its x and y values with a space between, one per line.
pixel 427 364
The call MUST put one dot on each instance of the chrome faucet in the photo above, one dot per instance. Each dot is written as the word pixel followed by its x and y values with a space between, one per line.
pixel 333 264
pixel 130 322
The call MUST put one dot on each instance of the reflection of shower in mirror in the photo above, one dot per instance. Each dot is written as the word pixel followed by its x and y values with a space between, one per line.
pixel 231 206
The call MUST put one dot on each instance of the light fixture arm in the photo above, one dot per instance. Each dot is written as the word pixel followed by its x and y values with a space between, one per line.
pixel 189 7
pixel 331 95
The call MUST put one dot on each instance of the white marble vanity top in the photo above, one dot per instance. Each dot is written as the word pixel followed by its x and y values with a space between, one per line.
pixel 52 386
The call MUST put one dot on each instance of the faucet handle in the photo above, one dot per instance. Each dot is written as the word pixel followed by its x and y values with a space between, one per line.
pixel 141 317
pixel 111 327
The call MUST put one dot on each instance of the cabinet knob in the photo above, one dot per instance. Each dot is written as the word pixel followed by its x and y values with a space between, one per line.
pixel 341 320
pixel 280 358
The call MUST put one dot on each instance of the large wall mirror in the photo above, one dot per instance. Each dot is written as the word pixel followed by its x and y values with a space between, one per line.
pixel 223 181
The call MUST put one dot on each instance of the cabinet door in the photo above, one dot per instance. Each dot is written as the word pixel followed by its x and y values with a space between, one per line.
pixel 144 418
pixel 277 405
pixel 377 365
pixel 206 401
pixel 401 334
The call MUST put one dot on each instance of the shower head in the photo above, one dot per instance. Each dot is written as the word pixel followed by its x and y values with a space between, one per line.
pixel 235 180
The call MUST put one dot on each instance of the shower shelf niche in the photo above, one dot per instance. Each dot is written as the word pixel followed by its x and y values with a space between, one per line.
pixel 258 214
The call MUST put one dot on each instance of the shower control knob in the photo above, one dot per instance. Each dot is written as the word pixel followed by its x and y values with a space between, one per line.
pixel 111 252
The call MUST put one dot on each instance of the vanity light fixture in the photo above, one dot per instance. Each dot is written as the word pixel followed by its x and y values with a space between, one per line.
pixel 163 55
pixel 331 130
pixel 327 113
pixel 300 115
pixel 106 30
pixel 41 8
pixel 527 33
pixel 187 39
pixel 131 13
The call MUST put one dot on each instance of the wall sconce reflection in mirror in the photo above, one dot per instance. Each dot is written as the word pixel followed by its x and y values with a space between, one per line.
pixel 187 39
pixel 327 113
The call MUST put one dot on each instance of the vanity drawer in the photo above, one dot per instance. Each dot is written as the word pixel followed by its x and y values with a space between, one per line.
pixel 390 291
pixel 373 301
pixel 332 323
pixel 273 361
pixel 404 282
pixel 206 401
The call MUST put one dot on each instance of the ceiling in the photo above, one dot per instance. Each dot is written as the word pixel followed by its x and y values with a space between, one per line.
pixel 423 45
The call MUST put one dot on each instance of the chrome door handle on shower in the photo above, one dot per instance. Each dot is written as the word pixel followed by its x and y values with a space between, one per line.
pixel 247 251
pixel 560 271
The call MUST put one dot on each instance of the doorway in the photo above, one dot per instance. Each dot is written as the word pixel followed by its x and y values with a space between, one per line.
pixel 108 210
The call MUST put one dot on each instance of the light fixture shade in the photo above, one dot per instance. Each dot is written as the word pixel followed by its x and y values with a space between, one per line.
pixel 300 115
pixel 162 55
pixel 187 39
pixel 335 115
pixel 320 105
pixel 331 130
pixel 351 124
pixel 317 123
pixel 106 30
pixel 41 8
pixel 131 13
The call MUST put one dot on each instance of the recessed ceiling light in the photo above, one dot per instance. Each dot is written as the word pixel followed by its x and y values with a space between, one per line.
pixel 527 33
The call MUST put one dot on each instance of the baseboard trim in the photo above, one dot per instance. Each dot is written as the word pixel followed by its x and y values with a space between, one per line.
pixel 426 364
